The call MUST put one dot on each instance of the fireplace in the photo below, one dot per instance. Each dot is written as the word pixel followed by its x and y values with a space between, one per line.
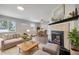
pixel 58 37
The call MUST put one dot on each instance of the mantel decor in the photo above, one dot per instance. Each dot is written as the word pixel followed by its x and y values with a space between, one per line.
pixel 66 20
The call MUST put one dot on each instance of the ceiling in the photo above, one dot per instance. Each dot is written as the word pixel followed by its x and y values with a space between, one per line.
pixel 32 12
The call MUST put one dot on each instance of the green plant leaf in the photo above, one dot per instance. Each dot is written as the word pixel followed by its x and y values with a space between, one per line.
pixel 73 36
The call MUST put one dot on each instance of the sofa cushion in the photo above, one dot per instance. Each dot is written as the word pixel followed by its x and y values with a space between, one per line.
pixel 15 36
pixel 51 48
pixel 10 36
pixel 5 36
pixel 12 40
pixel 18 35
pixel 40 52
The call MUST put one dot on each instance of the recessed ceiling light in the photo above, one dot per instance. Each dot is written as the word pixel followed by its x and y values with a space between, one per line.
pixel 20 8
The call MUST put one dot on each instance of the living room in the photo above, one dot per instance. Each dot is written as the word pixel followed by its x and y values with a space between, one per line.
pixel 33 24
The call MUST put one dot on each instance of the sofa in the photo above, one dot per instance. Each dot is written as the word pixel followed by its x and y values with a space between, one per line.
pixel 45 46
pixel 40 52
pixel 48 49
pixel 53 49
pixel 9 41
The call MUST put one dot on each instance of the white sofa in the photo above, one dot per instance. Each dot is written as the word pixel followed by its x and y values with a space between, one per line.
pixel 51 48
pixel 5 44
pixel 40 52
pixel 9 41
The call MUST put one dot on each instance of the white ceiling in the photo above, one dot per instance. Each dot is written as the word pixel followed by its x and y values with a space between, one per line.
pixel 32 12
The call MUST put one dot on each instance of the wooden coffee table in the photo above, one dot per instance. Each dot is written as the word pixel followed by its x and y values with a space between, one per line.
pixel 27 46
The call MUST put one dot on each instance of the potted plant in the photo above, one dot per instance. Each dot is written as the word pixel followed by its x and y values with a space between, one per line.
pixel 73 36
pixel 26 37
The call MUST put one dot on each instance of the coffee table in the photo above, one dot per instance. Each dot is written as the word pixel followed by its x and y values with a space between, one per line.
pixel 27 46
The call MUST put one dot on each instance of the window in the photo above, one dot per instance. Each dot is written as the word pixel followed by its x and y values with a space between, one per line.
pixel 7 26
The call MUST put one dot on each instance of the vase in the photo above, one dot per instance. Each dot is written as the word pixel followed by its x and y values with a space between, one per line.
pixel 73 52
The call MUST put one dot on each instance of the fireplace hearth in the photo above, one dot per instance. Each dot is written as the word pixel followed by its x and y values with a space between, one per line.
pixel 58 37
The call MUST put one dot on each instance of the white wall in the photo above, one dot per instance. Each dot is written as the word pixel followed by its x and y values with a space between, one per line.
pixel 77 22
pixel 21 25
